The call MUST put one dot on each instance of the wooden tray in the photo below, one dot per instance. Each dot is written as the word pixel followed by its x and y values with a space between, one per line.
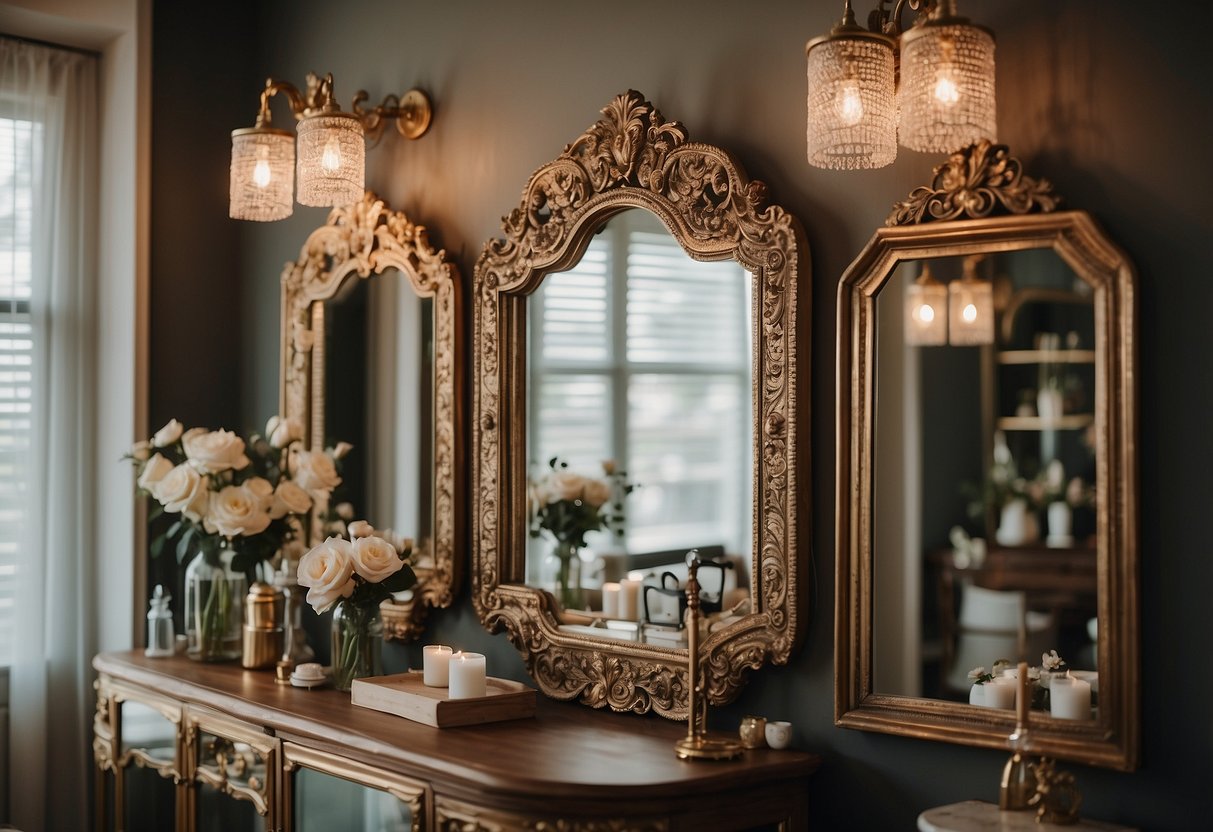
pixel 406 695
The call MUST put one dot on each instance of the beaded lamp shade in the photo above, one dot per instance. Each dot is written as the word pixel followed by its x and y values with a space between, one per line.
pixel 262 174
pixel 926 303
pixel 947 86
pixel 852 117
pixel 332 159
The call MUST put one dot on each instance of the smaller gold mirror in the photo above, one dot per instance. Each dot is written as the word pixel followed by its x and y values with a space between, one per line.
pixel 373 363
pixel 987 470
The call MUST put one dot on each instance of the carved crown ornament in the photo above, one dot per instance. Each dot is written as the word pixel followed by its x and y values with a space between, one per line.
pixel 982 180
pixel 361 240
pixel 632 157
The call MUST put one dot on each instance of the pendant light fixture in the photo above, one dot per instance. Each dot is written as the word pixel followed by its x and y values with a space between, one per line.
pixel 945 97
pixel 330 165
pixel 926 303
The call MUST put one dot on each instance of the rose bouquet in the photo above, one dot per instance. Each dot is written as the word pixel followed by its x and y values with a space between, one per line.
pixel 567 506
pixel 235 504
pixel 353 577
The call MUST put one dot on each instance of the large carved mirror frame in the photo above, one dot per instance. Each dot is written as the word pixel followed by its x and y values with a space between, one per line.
pixel 633 158
pixel 356 242
pixel 955 217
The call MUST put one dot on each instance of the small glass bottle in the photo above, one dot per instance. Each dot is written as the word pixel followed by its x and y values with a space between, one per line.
pixel 161 637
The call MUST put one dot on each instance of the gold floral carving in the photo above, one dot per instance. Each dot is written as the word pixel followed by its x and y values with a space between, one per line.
pixel 361 240
pixel 983 180
pixel 632 157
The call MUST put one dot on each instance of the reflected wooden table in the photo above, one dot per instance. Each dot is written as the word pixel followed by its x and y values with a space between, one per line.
pixel 980 816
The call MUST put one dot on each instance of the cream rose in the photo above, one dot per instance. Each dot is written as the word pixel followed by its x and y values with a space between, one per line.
pixel 375 559
pixel 314 471
pixel 341 450
pixel 168 434
pixel 596 492
pixel 345 511
pixel 565 485
pixel 214 451
pixel 282 431
pixel 289 498
pixel 361 528
pixel 155 470
pixel 240 510
pixel 183 491
pixel 327 570
pixel 141 450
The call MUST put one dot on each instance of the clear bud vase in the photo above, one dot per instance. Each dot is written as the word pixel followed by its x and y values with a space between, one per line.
pixel 214 607
pixel 564 567
pixel 357 643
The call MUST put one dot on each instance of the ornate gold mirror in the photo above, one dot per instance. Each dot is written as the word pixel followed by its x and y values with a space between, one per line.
pixel 644 307
pixel 374 363
pixel 987 470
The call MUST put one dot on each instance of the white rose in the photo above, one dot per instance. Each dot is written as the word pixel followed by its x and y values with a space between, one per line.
pixel 314 471
pixel 182 491
pixel 214 451
pixel 375 559
pixel 360 528
pixel 155 470
pixel 596 492
pixel 327 571
pixel 240 509
pixel 565 485
pixel 168 434
pixel 141 450
pixel 345 511
pixel 283 431
pixel 342 449
pixel 289 498
pixel 403 544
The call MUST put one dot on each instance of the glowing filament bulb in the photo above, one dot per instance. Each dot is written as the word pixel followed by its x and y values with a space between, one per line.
pixel 849 103
pixel 261 173
pixel 946 92
pixel 969 313
pixel 926 313
pixel 331 160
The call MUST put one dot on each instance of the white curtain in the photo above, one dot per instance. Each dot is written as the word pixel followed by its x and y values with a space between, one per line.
pixel 49 98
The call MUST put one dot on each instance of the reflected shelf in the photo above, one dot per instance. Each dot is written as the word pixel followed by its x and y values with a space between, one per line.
pixel 1046 357
pixel 1072 421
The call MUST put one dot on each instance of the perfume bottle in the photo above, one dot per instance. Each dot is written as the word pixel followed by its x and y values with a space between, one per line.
pixel 161 638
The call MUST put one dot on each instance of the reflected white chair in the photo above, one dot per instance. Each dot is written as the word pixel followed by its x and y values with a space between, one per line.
pixel 994 624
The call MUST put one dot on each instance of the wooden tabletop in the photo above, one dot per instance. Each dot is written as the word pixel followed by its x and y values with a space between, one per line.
pixel 567 750
pixel 980 816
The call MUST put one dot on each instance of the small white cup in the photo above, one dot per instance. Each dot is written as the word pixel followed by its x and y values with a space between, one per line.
pixel 779 734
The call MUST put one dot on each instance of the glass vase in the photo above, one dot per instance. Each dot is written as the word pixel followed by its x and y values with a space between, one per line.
pixel 357 643
pixel 214 604
pixel 564 570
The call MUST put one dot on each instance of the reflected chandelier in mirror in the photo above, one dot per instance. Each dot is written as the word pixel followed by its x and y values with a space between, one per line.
pixel 973 415
pixel 632 158
pixel 408 340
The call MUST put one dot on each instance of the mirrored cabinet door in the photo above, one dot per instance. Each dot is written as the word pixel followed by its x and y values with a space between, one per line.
pixel 322 792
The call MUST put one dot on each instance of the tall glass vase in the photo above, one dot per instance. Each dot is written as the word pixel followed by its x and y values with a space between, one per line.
pixel 214 604
pixel 357 643
pixel 564 570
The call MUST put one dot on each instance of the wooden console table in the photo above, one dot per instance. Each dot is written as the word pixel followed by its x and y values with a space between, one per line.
pixel 207 738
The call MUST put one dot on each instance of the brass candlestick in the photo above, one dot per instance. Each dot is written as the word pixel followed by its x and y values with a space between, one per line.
pixel 697 745
pixel 1018 782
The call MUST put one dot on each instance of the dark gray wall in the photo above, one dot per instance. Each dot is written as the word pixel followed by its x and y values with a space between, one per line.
pixel 1106 101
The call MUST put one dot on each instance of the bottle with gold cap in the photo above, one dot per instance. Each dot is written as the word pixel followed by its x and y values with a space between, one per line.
pixel 263 633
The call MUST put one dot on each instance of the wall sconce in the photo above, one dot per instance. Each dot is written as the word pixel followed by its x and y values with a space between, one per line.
pixel 331 162
pixel 926 311
pixel 970 308
pixel 945 98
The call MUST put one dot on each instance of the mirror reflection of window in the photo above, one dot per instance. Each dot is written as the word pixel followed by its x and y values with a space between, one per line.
pixel 642 355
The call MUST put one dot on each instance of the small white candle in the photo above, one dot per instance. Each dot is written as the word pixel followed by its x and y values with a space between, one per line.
pixel 610 600
pixel 437 658
pixel 1070 698
pixel 629 600
pixel 1000 694
pixel 467 676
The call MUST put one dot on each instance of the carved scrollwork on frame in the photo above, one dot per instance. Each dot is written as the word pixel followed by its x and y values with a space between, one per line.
pixel 983 180
pixel 633 158
pixel 362 240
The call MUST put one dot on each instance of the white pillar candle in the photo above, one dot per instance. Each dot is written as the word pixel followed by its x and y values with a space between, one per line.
pixel 467 676
pixel 1000 693
pixel 437 658
pixel 629 600
pixel 1070 698
pixel 610 600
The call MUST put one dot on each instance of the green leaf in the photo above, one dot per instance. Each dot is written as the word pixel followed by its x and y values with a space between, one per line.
pixel 183 544
pixel 402 580
pixel 157 546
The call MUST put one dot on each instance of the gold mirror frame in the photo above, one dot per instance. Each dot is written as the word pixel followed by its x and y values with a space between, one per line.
pixel 633 158
pixel 361 240
pixel 954 217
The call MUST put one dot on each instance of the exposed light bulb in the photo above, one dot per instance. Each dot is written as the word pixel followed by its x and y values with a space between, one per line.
pixel 926 314
pixel 261 173
pixel 331 159
pixel 849 103
pixel 946 92
pixel 969 313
